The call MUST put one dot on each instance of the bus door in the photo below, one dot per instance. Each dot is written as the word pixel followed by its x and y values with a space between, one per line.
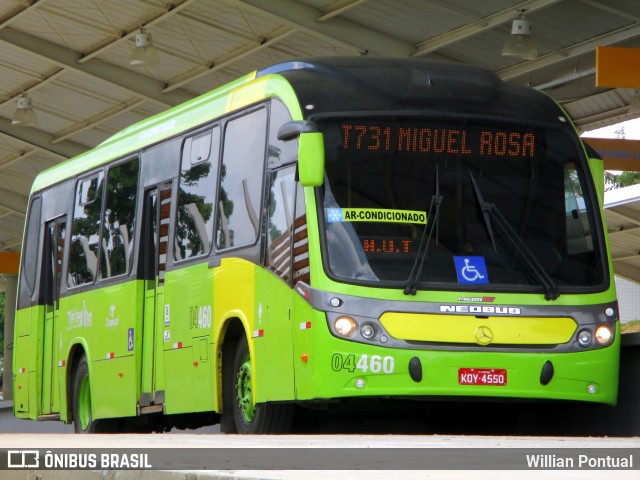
pixel 157 212
pixel 53 249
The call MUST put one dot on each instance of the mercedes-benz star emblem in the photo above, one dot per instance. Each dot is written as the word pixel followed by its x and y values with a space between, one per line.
pixel 484 335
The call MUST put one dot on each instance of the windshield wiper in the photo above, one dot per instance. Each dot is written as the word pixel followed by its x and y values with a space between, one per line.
pixel 486 209
pixel 423 248
pixel 489 210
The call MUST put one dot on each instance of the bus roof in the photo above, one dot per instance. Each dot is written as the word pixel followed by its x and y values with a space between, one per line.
pixel 146 132
pixel 364 84
pixel 329 85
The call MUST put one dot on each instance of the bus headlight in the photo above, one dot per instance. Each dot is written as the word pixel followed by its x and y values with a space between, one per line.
pixel 603 335
pixel 345 326
pixel 584 338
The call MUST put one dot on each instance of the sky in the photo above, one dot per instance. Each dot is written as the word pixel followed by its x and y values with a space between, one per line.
pixel 631 130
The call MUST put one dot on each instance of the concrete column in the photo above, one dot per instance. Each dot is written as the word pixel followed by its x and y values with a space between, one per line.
pixel 11 288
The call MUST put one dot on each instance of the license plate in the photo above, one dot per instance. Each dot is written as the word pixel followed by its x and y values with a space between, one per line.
pixel 496 377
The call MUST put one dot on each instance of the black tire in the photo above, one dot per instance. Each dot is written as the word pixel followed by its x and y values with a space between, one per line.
pixel 83 421
pixel 227 422
pixel 246 417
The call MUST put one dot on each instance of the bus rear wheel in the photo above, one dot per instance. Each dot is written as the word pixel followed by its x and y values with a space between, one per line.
pixel 249 417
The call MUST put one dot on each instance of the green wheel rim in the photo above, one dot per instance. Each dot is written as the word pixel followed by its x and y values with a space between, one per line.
pixel 84 403
pixel 244 389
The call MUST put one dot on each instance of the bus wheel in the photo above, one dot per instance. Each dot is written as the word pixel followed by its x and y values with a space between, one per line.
pixel 83 421
pixel 249 417
pixel 81 402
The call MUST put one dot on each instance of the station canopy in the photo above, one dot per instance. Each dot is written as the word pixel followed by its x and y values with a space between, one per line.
pixel 622 215
pixel 72 60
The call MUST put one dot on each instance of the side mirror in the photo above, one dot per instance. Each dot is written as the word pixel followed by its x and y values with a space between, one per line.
pixel 293 129
pixel 310 150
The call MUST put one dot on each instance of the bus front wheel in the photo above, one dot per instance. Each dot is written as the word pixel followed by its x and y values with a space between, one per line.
pixel 249 417
pixel 83 421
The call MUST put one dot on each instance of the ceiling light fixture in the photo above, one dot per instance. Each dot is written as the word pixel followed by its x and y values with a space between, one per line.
pixel 520 43
pixel 24 115
pixel 144 53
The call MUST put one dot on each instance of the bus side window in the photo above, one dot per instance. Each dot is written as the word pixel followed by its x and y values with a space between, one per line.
pixel 30 255
pixel 119 219
pixel 85 229
pixel 287 246
pixel 301 270
pixel 196 195
pixel 241 178
pixel 280 152
pixel 53 254
pixel 280 207
pixel 579 239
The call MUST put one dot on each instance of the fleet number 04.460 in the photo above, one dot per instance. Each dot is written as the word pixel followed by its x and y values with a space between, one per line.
pixel 364 363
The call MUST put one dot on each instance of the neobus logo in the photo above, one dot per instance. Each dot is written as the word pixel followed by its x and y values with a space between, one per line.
pixel 480 309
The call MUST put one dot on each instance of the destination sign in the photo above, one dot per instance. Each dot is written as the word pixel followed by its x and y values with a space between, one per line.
pixel 394 138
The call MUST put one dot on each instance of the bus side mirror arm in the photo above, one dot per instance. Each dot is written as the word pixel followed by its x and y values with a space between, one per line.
pixel 310 150
pixel 293 129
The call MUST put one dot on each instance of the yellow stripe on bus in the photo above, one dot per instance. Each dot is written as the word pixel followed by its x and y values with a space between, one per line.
pixel 508 330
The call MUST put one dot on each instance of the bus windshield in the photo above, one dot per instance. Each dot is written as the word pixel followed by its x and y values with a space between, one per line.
pixel 414 202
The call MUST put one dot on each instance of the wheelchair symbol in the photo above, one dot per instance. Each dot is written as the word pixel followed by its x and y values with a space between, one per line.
pixel 471 270
pixel 470 273
pixel 130 345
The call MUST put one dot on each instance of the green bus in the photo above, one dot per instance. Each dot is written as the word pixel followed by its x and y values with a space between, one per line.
pixel 322 231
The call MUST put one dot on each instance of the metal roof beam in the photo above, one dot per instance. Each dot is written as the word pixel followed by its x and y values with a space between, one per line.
pixel 479 26
pixel 141 85
pixel 41 140
pixel 20 11
pixel 576 75
pixel 225 60
pixel 8 244
pixel 15 228
pixel 44 80
pixel 18 156
pixel 96 119
pixel 13 202
pixel 626 255
pixel 569 52
pixel 339 31
pixel 338 8
pixel 169 9
pixel 614 11
pixel 625 212
pixel 607 116
pixel 627 271
pixel 616 231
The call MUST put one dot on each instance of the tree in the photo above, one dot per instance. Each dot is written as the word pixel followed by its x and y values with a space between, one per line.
pixel 624 179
